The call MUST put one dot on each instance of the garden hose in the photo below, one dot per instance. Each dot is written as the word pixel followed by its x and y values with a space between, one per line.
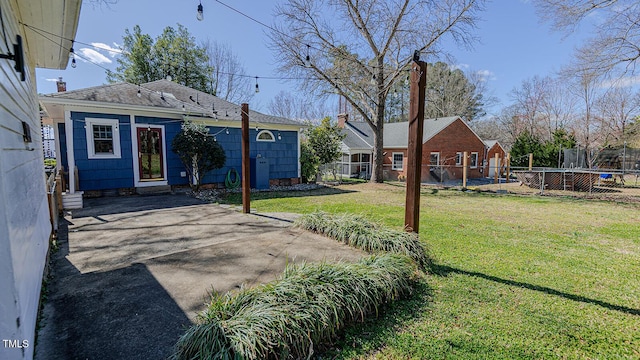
pixel 232 184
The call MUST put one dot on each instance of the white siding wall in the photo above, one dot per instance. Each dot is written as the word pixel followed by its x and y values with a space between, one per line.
pixel 24 221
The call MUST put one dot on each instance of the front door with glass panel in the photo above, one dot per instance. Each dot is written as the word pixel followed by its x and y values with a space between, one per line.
pixel 150 154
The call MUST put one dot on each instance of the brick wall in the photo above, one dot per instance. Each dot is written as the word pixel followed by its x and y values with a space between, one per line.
pixel 457 137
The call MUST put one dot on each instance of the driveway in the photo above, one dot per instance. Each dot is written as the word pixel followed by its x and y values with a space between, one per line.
pixel 132 273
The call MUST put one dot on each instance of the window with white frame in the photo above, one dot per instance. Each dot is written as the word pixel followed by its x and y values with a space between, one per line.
pixel 103 138
pixel 473 160
pixel 265 135
pixel 397 161
pixel 458 158
pixel 434 159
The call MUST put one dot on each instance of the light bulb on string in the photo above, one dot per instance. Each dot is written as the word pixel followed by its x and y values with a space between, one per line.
pixel 257 87
pixel 73 57
pixel 200 15
pixel 307 60
pixel 279 136
pixel 139 94
pixel 373 80
pixel 226 131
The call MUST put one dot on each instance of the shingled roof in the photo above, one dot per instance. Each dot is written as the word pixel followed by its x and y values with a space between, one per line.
pixel 165 94
pixel 396 135
pixel 223 109
pixel 127 94
pixel 359 136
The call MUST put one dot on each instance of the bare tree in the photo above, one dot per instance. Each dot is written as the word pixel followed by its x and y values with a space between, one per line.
pixel 229 81
pixel 530 100
pixel 359 49
pixel 492 128
pixel 585 86
pixel 617 108
pixel 511 120
pixel 558 105
pixel 289 106
pixel 617 34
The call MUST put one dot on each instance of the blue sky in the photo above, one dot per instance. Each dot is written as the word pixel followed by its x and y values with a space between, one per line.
pixel 514 45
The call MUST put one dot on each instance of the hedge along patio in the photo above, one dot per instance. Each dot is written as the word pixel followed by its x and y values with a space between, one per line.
pixel 309 304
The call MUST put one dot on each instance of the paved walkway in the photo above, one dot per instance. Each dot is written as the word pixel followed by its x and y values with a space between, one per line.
pixel 132 273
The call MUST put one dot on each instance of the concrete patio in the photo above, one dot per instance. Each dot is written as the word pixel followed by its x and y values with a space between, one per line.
pixel 132 273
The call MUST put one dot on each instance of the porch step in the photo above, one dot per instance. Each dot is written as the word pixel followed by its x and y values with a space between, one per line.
pixel 149 190
pixel 72 201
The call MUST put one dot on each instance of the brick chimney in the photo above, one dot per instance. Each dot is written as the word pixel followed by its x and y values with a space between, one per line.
pixel 342 119
pixel 62 86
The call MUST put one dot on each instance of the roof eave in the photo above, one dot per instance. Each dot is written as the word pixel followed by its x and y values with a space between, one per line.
pixel 58 19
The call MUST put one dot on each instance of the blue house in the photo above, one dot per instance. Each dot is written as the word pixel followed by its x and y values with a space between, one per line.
pixel 117 138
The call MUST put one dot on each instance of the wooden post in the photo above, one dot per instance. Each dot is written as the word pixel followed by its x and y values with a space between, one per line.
pixel 58 190
pixel 464 169
pixel 246 180
pixel 417 93
pixel 508 164
pixel 530 162
pixel 496 170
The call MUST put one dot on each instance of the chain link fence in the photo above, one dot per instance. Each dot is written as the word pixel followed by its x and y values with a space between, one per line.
pixel 586 183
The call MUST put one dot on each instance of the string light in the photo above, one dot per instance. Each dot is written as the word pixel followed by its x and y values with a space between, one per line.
pixel 307 60
pixel 43 33
pixel 139 94
pixel 279 136
pixel 200 15
pixel 257 87
pixel 73 56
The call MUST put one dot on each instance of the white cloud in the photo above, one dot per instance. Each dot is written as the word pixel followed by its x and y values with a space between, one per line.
pixel 93 56
pixel 624 82
pixel 112 50
pixel 51 79
pixel 486 75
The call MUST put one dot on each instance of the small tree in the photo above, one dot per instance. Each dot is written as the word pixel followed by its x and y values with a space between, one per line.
pixel 325 140
pixel 308 162
pixel 198 151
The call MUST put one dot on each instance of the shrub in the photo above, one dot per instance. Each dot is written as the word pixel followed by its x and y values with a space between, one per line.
pixel 357 231
pixel 308 305
pixel 198 151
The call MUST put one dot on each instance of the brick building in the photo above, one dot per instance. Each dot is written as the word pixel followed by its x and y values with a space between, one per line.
pixel 444 142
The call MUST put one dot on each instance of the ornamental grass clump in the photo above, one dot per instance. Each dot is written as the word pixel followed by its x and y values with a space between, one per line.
pixel 308 305
pixel 357 231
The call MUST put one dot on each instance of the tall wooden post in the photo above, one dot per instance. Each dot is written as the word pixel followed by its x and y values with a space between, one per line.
pixel 508 164
pixel 414 149
pixel 530 162
pixel 246 180
pixel 465 162
pixel 496 171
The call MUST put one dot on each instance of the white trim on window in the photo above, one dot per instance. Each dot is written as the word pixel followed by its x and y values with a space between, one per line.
pixel 458 158
pixel 394 162
pixel 437 154
pixel 473 164
pixel 266 136
pixel 109 130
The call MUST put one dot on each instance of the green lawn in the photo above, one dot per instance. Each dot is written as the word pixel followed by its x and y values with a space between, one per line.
pixel 515 277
